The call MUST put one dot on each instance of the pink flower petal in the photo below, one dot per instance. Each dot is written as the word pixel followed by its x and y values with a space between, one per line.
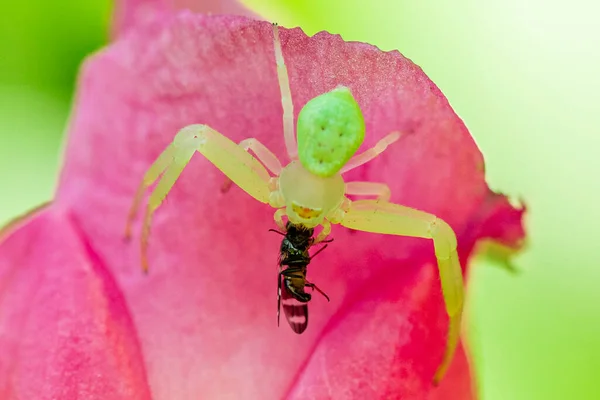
pixel 205 314
pixel 496 219
pixel 130 13
pixel 65 331
pixel 381 349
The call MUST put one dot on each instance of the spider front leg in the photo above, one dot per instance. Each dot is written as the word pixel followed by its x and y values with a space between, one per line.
pixel 237 164
pixel 388 218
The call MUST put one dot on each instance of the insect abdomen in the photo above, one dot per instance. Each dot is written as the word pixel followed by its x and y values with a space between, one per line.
pixel 295 312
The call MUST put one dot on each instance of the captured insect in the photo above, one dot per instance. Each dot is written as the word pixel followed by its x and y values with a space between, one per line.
pixel 310 190
pixel 291 281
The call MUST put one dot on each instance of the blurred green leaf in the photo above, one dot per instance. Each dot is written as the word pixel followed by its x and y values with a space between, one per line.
pixel 43 44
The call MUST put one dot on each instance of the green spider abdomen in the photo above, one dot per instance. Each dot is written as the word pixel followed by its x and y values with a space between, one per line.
pixel 330 130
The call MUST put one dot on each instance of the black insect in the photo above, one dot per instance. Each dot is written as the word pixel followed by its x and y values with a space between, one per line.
pixel 291 280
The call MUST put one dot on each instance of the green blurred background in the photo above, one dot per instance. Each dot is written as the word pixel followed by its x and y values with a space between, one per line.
pixel 523 76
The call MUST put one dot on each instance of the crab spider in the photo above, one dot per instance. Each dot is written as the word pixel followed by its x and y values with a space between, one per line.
pixel 310 189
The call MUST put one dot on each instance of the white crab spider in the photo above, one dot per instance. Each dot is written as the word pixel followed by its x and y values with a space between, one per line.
pixel 310 189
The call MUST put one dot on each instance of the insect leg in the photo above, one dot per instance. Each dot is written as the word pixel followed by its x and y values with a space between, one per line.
pixel 381 190
pixel 394 219
pixel 276 231
pixel 237 164
pixel 318 251
pixel 286 98
pixel 370 154
pixel 315 287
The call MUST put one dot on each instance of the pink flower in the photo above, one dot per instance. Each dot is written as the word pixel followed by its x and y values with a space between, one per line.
pixel 78 318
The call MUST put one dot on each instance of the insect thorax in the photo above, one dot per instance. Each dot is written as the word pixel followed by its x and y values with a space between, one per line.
pixel 309 198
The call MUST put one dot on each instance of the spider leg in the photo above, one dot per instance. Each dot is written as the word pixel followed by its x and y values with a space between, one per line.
pixel 262 154
pixel 237 164
pixel 286 98
pixel 152 174
pixel 394 219
pixel 370 154
pixel 278 217
pixel 381 190
pixel 324 232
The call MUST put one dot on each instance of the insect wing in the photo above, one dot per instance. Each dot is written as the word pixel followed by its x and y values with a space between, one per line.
pixel 295 312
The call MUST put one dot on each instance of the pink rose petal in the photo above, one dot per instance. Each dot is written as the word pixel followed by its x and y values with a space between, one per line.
pixel 205 314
